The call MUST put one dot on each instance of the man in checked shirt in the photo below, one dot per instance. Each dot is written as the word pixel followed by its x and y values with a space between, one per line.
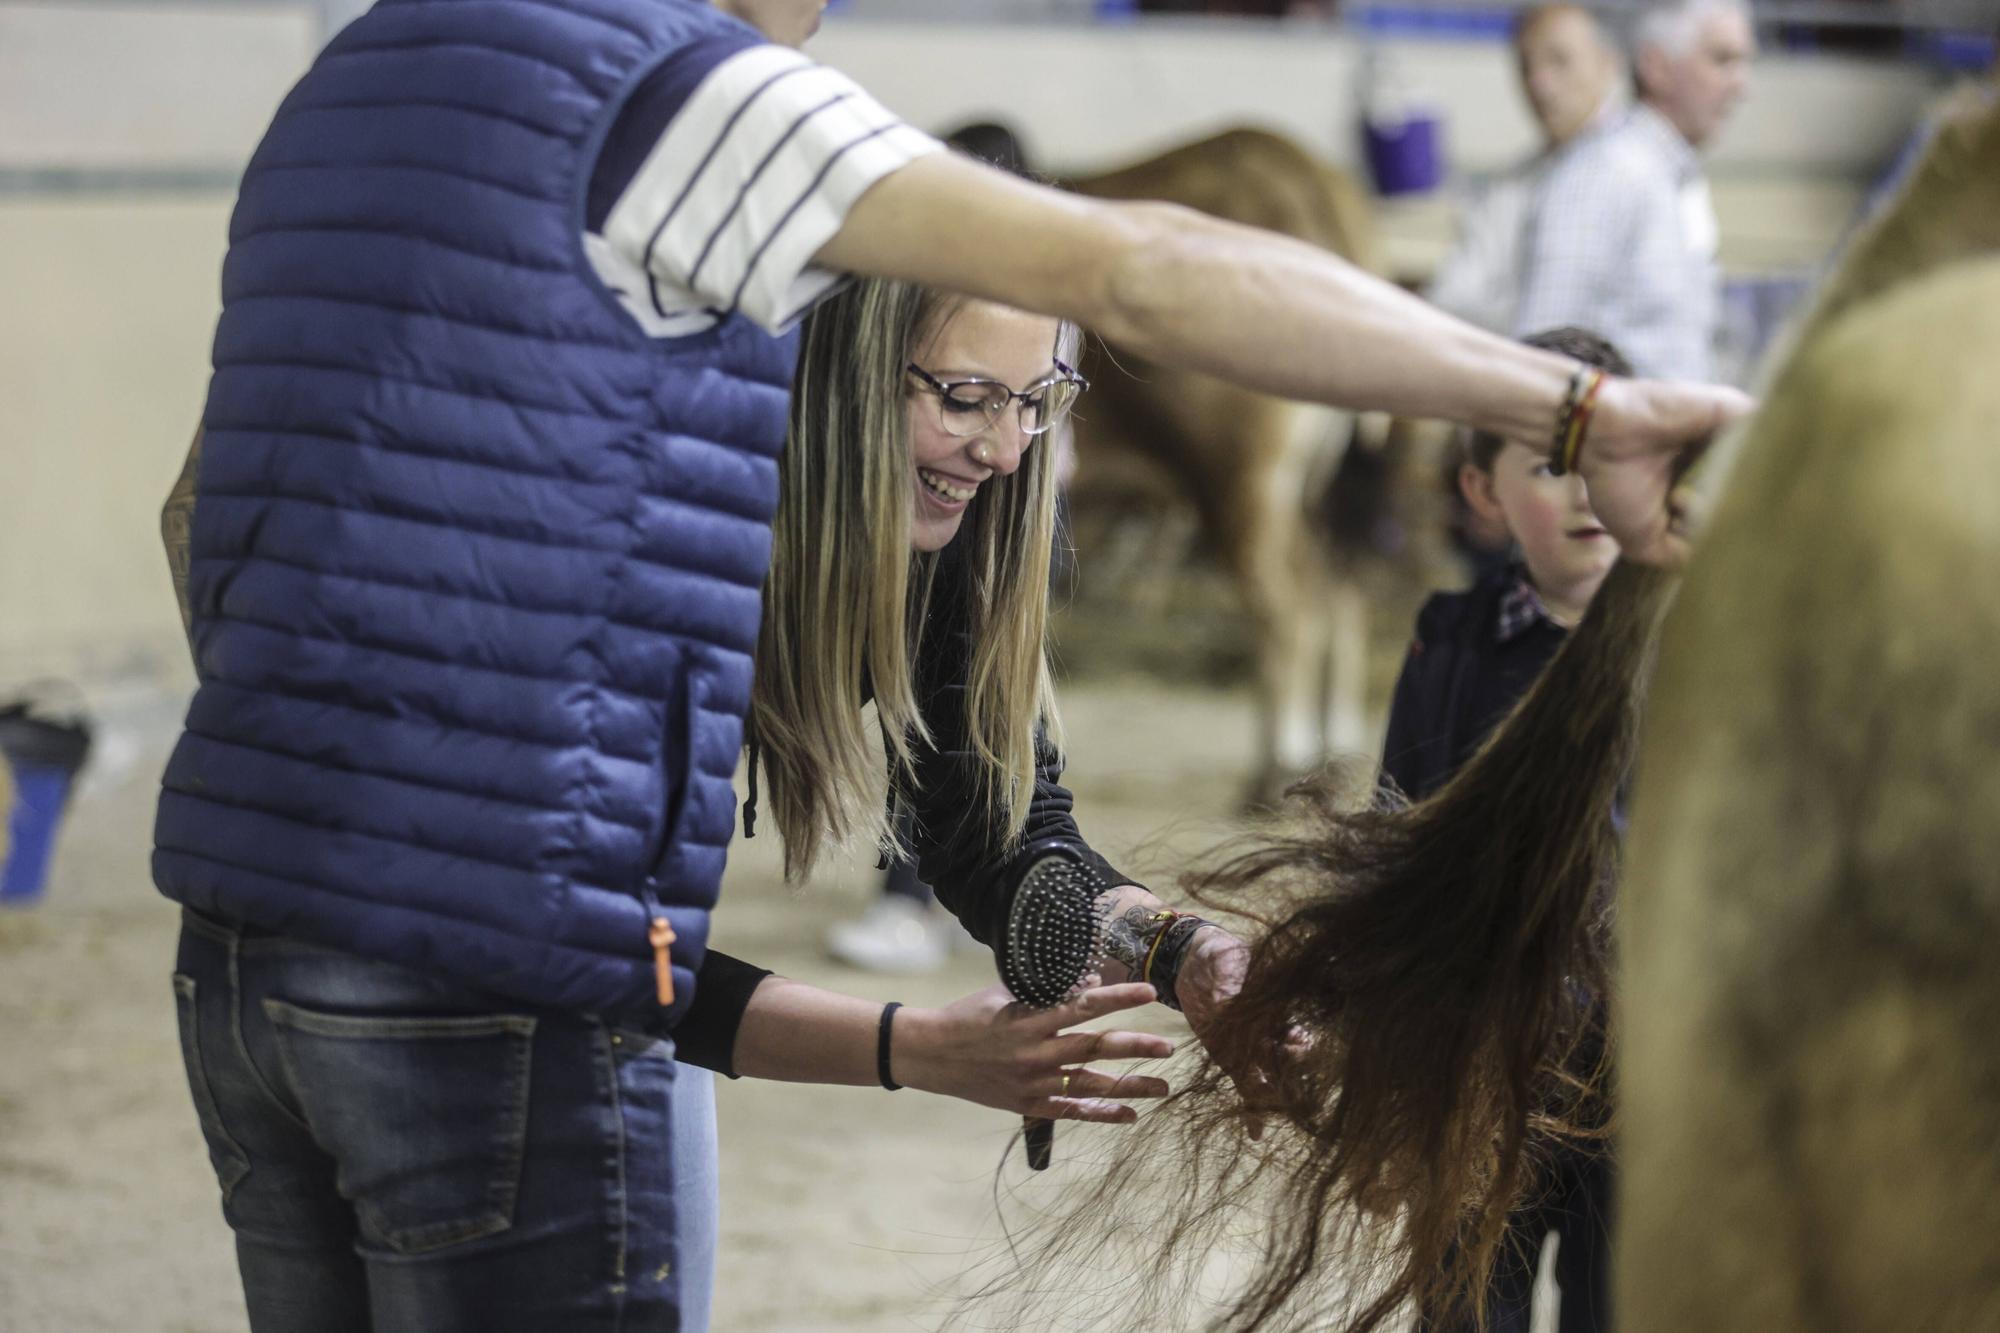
pixel 1621 234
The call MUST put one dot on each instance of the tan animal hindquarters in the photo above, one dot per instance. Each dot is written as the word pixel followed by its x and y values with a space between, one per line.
pixel 1810 1051
pixel 1252 469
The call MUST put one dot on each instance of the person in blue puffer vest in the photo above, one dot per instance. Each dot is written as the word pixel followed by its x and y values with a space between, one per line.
pixel 482 506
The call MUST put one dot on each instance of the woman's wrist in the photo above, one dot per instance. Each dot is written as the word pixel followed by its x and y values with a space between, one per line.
pixel 913 1047
pixel 1506 388
pixel 1145 940
pixel 1129 922
pixel 1573 418
pixel 885 1030
pixel 1171 952
pixel 797 1033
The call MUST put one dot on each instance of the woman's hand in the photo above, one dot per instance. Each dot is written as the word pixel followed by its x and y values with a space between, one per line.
pixel 1645 435
pixel 989 1049
pixel 1210 978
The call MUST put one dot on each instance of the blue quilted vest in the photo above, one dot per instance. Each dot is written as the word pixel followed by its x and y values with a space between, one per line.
pixel 476 564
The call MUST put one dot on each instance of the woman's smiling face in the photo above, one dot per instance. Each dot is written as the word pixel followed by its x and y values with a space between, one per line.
pixel 976 340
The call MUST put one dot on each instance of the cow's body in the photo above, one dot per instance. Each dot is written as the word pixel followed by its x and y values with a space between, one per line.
pixel 1810 1065
pixel 1252 469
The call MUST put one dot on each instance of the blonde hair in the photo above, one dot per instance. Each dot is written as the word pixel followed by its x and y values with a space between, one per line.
pixel 846 600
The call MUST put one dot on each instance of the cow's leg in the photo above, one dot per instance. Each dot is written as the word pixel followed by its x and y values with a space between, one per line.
pixel 1257 549
pixel 1288 732
pixel 1168 535
pixel 1282 575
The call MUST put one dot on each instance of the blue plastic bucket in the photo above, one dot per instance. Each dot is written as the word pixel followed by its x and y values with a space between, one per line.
pixel 1404 156
pixel 44 756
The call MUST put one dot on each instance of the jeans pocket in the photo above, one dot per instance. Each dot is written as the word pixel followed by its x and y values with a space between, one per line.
pixel 426 1118
pixel 231 1163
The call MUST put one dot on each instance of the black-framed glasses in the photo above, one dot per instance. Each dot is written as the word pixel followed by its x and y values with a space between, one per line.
pixel 967 407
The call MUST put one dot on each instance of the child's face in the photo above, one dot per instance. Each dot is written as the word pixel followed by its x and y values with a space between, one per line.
pixel 1567 551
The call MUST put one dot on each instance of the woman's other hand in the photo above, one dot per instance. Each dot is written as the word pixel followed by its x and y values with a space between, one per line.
pixel 989 1049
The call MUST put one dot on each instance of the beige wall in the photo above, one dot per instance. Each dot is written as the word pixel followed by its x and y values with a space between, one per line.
pixel 103 362
pixel 1085 97
pixel 113 85
pixel 183 83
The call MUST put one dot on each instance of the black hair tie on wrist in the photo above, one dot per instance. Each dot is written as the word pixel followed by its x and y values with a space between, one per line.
pixel 882 1047
pixel 1165 973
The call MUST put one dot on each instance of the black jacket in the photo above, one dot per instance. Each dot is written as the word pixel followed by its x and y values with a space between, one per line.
pixel 1461 677
pixel 959 845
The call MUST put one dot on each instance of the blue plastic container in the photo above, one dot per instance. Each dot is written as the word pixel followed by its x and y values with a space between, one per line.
pixel 44 756
pixel 1404 156
pixel 1402 130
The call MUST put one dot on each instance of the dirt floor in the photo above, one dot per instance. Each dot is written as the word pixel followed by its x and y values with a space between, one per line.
pixel 843 1208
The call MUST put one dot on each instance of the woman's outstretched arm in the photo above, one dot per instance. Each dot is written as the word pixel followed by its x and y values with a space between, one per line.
pixel 984 1048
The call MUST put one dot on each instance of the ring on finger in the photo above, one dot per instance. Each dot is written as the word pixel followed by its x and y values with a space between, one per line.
pixel 1065 1083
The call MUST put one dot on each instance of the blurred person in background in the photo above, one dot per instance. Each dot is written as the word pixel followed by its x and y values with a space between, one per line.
pixel 1621 231
pixel 1569 72
pixel 480 513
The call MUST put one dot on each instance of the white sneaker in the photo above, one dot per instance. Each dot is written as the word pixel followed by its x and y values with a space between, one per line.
pixel 896 934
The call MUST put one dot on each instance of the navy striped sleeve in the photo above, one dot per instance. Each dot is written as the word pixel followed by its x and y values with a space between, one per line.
pixel 753 162
pixel 647 113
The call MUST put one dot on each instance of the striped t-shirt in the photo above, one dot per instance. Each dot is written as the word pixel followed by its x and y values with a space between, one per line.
pixel 726 171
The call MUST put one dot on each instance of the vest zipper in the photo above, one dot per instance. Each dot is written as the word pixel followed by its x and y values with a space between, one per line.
pixel 660 935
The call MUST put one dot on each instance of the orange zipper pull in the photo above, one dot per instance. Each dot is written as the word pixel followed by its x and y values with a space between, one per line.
pixel 660 935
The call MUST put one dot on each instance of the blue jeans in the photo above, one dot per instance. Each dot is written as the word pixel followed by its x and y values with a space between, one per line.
pixel 399 1153
pixel 697 1192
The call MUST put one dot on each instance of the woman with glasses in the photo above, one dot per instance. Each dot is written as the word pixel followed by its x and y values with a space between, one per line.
pixel 916 517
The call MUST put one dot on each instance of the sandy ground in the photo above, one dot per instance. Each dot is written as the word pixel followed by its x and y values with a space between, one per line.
pixel 843 1208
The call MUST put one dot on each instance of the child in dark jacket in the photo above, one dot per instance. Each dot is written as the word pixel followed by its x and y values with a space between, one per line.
pixel 1474 655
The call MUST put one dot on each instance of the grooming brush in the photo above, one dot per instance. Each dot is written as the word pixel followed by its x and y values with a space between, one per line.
pixel 1054 939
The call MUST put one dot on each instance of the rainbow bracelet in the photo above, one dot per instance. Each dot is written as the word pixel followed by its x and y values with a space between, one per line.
pixel 1573 419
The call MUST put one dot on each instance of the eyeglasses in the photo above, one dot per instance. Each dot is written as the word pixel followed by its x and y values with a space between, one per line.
pixel 967 407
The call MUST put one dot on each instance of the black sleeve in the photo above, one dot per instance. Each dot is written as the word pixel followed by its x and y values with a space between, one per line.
pixel 959 847
pixel 1400 748
pixel 959 841
pixel 707 1032
pixel 1417 752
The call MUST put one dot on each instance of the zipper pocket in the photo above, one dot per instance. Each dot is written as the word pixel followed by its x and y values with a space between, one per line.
pixel 677 747
pixel 660 937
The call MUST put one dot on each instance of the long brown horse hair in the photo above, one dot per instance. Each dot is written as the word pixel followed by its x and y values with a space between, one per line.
pixel 1421 1018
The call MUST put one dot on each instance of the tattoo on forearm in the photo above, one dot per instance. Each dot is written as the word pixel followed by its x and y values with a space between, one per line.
pixel 1127 937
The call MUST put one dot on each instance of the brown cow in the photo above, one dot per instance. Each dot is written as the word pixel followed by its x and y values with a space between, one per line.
pixel 1251 469
pixel 1811 910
